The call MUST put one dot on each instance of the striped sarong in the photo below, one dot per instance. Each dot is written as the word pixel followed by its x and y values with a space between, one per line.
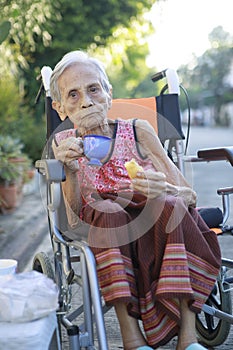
pixel 154 262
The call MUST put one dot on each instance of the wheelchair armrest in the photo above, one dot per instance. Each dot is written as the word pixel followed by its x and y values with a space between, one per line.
pixel 225 191
pixel 212 154
pixel 52 169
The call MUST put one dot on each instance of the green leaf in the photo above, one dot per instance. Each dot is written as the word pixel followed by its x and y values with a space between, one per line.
pixel 4 30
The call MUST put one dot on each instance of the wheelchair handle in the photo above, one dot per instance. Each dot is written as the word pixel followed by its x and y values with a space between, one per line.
pixel 171 75
pixel 46 73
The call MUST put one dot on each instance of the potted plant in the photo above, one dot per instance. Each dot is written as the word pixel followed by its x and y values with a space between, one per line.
pixel 14 165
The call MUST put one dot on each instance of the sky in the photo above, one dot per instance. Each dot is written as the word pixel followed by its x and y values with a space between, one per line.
pixel 182 28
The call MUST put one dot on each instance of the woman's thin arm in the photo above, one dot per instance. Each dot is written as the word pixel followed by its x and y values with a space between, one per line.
pixel 151 147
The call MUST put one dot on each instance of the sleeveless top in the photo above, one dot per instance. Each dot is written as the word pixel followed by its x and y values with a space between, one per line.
pixel 112 176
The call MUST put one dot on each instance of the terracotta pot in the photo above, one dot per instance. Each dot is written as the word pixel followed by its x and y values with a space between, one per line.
pixel 31 174
pixel 8 198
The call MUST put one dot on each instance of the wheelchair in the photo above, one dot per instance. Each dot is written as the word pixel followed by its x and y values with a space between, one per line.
pixel 72 266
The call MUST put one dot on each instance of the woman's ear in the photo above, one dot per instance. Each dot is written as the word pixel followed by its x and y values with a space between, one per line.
pixel 60 110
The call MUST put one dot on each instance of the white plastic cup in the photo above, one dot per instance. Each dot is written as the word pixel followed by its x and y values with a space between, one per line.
pixel 8 266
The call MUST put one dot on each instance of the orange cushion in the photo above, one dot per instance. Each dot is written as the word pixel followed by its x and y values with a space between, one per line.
pixel 141 108
pixel 218 231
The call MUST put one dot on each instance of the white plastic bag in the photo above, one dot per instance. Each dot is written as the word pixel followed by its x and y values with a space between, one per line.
pixel 33 335
pixel 27 296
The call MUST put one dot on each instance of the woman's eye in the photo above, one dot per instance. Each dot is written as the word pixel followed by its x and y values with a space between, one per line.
pixel 73 94
pixel 93 89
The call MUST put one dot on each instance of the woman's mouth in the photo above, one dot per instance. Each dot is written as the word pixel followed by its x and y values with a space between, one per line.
pixel 90 112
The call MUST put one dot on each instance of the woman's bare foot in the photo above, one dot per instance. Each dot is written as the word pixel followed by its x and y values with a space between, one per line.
pixel 187 334
pixel 131 333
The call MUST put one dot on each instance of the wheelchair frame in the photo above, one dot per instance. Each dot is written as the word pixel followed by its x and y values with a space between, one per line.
pixel 81 336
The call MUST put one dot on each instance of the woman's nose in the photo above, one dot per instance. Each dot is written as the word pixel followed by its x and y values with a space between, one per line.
pixel 86 101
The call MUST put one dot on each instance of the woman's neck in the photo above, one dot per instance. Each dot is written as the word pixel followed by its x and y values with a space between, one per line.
pixel 99 130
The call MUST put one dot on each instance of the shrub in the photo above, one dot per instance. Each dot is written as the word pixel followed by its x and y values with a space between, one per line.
pixel 18 121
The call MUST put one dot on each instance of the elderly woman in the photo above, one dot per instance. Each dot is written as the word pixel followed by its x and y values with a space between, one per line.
pixel 157 261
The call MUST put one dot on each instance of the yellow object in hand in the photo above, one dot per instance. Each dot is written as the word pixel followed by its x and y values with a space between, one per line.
pixel 133 168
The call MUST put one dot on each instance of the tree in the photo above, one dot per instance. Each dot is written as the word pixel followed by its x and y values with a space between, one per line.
pixel 96 26
pixel 40 32
pixel 206 77
pixel 47 30
pixel 25 20
pixel 124 58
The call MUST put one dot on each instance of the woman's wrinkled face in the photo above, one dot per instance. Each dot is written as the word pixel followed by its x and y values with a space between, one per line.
pixel 83 98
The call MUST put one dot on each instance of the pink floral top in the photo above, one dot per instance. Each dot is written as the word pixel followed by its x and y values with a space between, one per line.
pixel 112 176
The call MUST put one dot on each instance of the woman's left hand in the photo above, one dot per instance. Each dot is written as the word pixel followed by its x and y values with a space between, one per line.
pixel 151 183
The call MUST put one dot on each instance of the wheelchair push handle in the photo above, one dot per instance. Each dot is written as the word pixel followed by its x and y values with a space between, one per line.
pixel 172 80
pixel 44 76
pixel 46 73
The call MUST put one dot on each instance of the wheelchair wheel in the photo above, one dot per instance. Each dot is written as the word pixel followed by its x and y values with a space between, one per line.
pixel 42 263
pixel 212 330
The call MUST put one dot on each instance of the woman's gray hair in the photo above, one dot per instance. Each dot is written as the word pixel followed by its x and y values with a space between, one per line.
pixel 70 59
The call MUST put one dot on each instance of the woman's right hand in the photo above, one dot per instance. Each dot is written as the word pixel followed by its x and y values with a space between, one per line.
pixel 68 151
